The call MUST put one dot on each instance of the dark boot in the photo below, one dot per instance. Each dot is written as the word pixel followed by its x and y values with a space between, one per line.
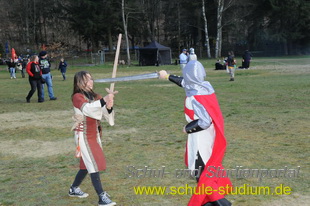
pixel 221 202
pixel 208 204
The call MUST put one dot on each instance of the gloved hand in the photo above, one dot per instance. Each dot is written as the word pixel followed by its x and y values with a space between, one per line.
pixel 163 74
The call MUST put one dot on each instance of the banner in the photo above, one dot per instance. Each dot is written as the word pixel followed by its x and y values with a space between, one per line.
pixel 13 54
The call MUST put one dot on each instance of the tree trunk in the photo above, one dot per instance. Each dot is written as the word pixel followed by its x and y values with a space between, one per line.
pixel 110 39
pixel 150 36
pixel 179 27
pixel 35 35
pixel 218 46
pixel 200 43
pixel 126 33
pixel 27 21
pixel 285 48
pixel 207 43
pixel 45 30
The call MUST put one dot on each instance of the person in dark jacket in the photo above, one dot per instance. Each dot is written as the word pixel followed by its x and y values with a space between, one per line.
pixel 246 59
pixel 35 76
pixel 24 65
pixel 11 66
pixel 219 66
pixel 63 68
pixel 46 75
pixel 231 65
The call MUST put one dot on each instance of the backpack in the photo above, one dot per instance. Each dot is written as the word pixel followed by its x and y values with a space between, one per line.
pixel 18 66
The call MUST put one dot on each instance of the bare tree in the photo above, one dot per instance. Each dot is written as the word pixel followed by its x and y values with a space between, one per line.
pixel 219 26
pixel 207 42
pixel 125 23
pixel 179 27
pixel 218 44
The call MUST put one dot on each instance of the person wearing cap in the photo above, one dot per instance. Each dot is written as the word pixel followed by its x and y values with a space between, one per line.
pixel 46 75
pixel 206 142
pixel 192 55
pixel 183 58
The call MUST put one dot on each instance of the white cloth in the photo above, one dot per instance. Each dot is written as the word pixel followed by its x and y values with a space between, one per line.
pixel 201 141
pixel 192 57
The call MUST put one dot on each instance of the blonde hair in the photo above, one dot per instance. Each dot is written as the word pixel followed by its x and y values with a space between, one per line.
pixel 33 58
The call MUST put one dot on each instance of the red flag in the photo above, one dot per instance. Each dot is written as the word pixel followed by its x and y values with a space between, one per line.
pixel 13 54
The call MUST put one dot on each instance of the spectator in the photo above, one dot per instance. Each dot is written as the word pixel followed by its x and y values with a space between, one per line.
pixel 192 55
pixel 11 66
pixel 246 59
pixel 24 65
pixel 63 68
pixel 183 58
pixel 231 65
pixel 46 75
pixel 18 66
pixel 35 76
pixel 219 66
pixel 89 109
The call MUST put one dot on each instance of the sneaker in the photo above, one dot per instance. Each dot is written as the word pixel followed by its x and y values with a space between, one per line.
pixel 77 192
pixel 53 98
pixel 104 200
pixel 27 100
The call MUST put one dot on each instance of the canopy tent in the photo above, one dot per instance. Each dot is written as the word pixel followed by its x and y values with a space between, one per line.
pixel 154 54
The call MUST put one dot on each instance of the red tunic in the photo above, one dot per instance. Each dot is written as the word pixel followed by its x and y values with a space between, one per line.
pixel 89 135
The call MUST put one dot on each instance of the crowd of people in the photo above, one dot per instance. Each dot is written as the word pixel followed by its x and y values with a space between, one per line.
pixel 38 68
pixel 229 63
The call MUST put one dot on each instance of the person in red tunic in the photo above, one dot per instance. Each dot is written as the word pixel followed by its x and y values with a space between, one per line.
pixel 206 143
pixel 90 108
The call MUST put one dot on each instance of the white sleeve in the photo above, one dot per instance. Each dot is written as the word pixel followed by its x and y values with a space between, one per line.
pixel 109 117
pixel 93 110
pixel 204 118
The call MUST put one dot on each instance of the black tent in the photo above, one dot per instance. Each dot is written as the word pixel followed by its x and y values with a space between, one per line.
pixel 154 54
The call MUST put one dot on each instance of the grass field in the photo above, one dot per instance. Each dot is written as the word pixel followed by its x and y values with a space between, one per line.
pixel 266 113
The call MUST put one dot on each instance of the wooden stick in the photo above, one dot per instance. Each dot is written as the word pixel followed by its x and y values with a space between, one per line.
pixel 116 61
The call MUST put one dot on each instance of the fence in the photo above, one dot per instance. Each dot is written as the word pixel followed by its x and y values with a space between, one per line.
pixel 93 59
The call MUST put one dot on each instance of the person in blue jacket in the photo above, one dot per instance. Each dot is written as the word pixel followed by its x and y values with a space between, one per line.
pixel 63 68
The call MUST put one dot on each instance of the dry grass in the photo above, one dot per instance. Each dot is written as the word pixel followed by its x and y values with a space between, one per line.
pixel 41 119
pixel 266 125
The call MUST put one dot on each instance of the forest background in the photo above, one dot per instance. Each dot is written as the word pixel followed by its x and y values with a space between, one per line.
pixel 212 27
